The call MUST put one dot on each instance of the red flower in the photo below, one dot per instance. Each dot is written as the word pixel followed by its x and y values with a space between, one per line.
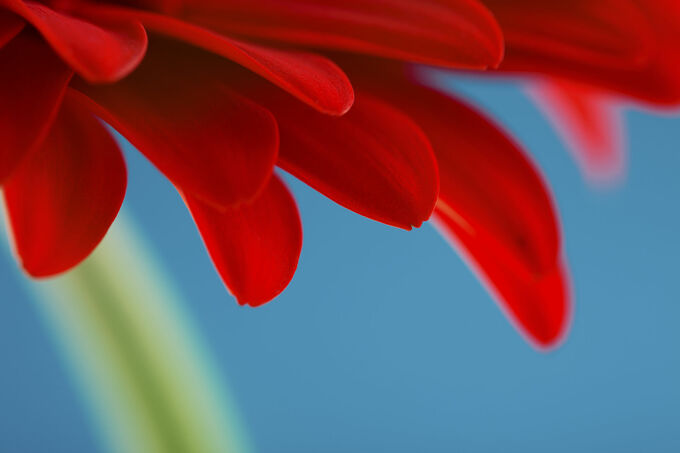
pixel 229 89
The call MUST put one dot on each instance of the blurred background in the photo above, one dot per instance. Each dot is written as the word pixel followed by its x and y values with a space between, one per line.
pixel 385 341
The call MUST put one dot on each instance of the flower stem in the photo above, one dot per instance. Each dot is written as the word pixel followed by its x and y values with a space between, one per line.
pixel 134 352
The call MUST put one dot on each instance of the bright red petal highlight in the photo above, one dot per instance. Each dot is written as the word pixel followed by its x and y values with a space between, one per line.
pixel 589 123
pixel 311 78
pixel 254 247
pixel 492 204
pixel 208 140
pixel 454 33
pixel 98 50
pixel 65 195
pixel 31 91
pixel 374 160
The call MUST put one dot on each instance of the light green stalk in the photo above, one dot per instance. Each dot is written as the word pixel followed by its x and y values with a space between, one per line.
pixel 133 350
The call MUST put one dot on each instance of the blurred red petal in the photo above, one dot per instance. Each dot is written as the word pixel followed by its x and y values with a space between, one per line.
pixel 589 123
pixel 10 26
pixel 314 79
pixel 456 33
pixel 576 32
pixel 493 205
pixel 62 199
pixel 30 94
pixel 207 139
pixel 374 160
pixel 98 50
pixel 632 51
pixel 256 246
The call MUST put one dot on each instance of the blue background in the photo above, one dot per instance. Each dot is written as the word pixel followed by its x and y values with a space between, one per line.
pixel 385 341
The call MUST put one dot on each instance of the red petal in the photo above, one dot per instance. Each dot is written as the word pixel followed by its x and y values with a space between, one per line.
pixel 631 52
pixel 254 247
pixel 374 160
pixel 312 78
pixel 458 33
pixel 207 139
pixel 65 195
pixel 10 26
pixel 98 50
pixel 578 32
pixel 589 123
pixel 31 90
pixel 493 204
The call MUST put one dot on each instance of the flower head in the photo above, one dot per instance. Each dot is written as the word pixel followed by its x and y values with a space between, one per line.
pixel 217 94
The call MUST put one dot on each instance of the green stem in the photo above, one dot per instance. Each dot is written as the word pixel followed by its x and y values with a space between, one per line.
pixel 135 354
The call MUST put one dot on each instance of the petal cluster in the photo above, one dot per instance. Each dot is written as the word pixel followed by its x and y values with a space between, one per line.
pixel 217 94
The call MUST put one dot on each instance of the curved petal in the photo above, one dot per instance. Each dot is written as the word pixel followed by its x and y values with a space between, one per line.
pixel 10 26
pixel 65 195
pixel 493 205
pixel 30 94
pixel 313 79
pixel 454 33
pixel 374 160
pixel 256 246
pixel 589 123
pixel 207 139
pixel 98 50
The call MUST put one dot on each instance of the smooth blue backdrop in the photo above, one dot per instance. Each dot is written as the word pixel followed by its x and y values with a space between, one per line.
pixel 385 341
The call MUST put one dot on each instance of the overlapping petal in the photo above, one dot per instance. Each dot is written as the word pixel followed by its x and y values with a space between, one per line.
pixel 624 46
pixel 312 78
pixel 493 205
pixel 32 85
pixel 65 195
pixel 206 138
pixel 454 33
pixel 256 246
pixel 100 50
pixel 374 160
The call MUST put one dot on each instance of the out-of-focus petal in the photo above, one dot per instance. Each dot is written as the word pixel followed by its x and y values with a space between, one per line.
pixel 256 246
pixel 10 26
pixel 374 160
pixel 207 139
pixel 99 50
pixel 590 124
pixel 312 78
pixel 624 46
pixel 454 33
pixel 33 81
pixel 607 33
pixel 493 205
pixel 62 199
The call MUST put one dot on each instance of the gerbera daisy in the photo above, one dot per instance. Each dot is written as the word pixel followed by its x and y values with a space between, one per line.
pixel 227 90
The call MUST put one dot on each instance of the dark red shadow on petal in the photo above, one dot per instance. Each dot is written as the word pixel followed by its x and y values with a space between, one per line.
pixel 10 26
pixel 33 81
pixel 209 140
pixel 313 79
